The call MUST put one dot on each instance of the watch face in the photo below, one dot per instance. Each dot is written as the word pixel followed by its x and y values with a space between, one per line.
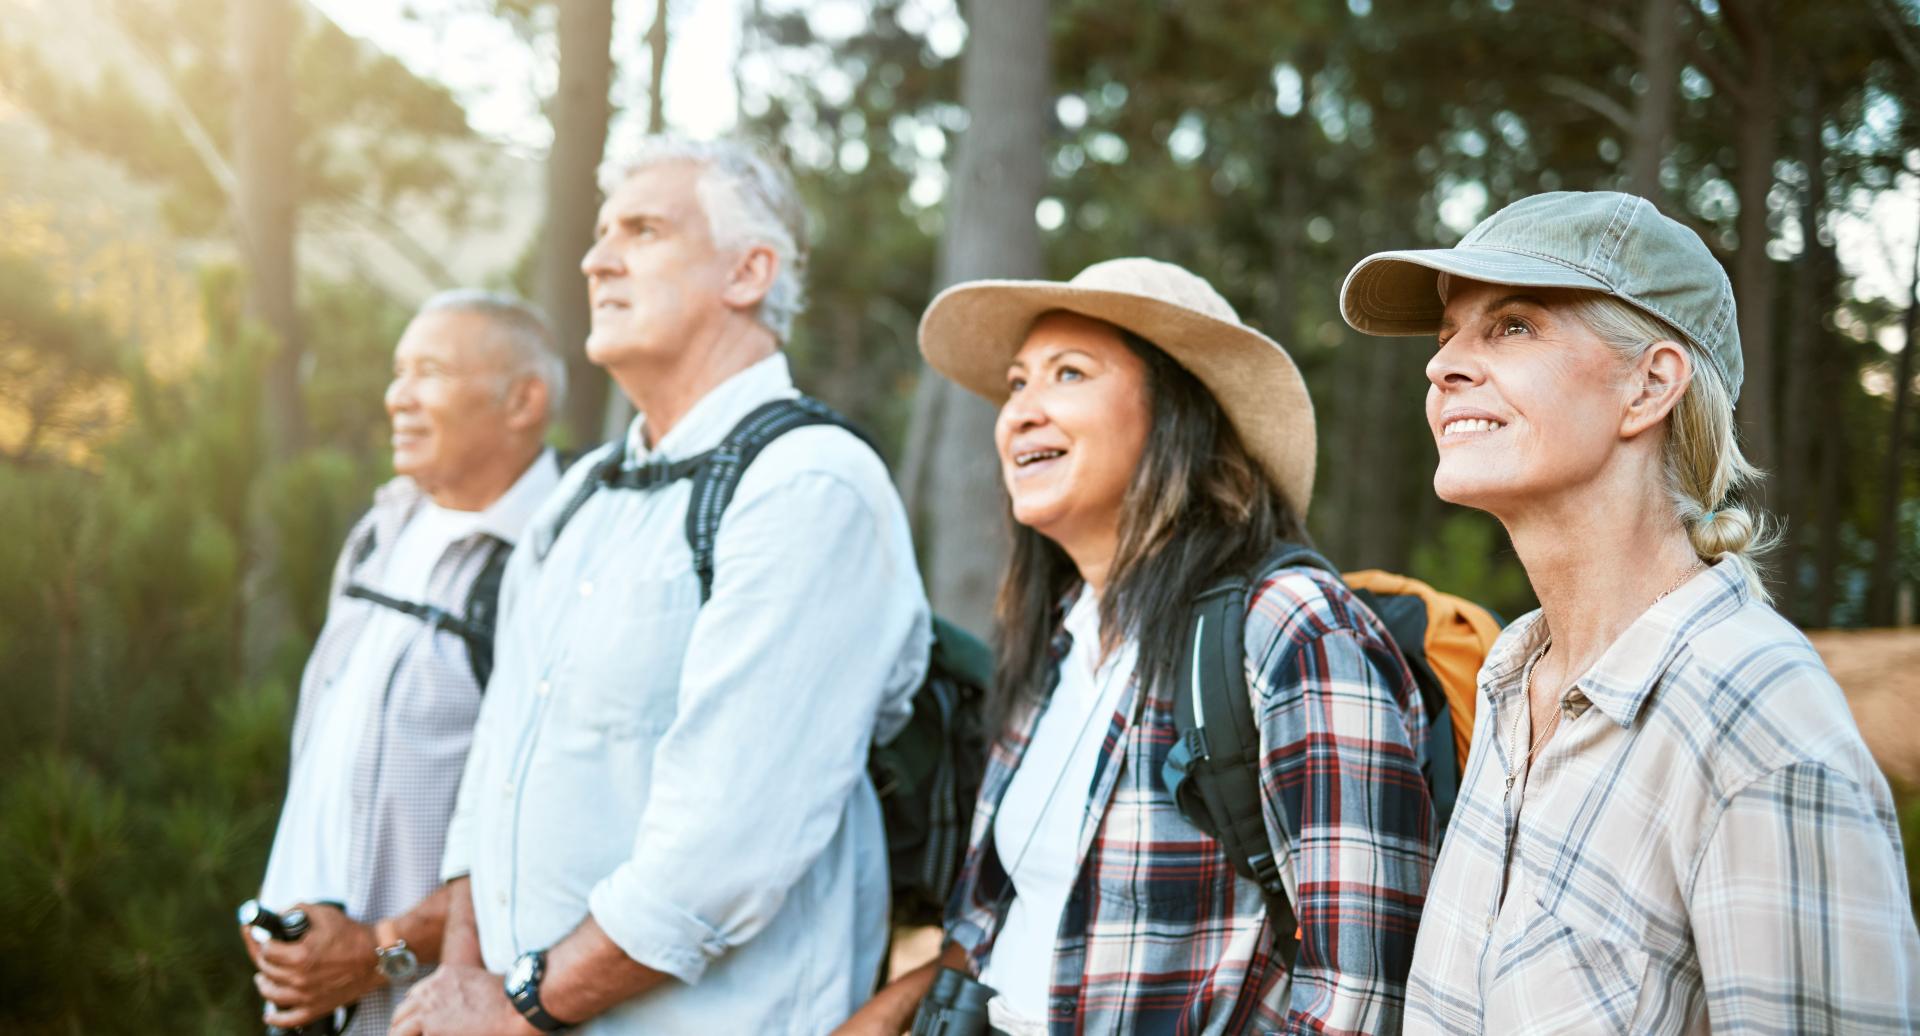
pixel 399 963
pixel 522 974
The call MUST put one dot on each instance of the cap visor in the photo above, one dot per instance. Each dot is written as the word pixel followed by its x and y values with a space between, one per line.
pixel 1398 293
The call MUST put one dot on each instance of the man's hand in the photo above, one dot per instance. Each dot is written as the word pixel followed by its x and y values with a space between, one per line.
pixel 459 1000
pixel 334 964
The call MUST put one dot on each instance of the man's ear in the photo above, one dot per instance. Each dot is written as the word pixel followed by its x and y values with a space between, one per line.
pixel 751 277
pixel 528 403
pixel 1657 382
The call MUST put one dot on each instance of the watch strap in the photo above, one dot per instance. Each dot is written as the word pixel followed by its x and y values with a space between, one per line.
pixel 526 997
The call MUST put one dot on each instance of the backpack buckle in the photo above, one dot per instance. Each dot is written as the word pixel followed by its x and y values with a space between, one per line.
pixel 1266 874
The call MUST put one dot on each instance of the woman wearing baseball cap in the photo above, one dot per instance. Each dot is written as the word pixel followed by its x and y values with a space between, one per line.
pixel 1668 821
pixel 1150 444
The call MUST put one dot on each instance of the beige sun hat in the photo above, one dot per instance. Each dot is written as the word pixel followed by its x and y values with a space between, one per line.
pixel 971 332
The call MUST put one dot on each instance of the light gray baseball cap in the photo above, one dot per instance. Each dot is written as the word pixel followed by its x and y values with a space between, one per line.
pixel 1603 241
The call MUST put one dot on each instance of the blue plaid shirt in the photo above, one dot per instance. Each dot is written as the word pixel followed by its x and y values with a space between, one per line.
pixel 1705 843
pixel 1159 935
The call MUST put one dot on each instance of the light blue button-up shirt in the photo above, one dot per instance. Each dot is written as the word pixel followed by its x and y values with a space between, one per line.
pixel 695 775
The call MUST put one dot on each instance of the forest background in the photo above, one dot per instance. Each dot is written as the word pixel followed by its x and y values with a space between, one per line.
pixel 216 216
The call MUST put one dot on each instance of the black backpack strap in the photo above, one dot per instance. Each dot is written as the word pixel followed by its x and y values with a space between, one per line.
pixel 1221 737
pixel 716 475
pixel 482 612
pixel 719 470
pixel 1215 765
pixel 612 472
pixel 432 615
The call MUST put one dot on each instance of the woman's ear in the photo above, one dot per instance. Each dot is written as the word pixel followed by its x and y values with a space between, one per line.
pixel 1657 382
pixel 752 277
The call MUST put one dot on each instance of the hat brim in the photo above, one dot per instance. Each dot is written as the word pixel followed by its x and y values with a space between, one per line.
pixel 1397 293
pixel 971 332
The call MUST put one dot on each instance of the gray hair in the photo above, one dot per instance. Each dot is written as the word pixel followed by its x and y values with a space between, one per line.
pixel 525 336
pixel 749 199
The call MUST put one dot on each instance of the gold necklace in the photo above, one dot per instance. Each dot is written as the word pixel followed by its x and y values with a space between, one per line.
pixel 1515 764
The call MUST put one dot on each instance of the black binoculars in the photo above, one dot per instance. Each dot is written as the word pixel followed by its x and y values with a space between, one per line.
pixel 289 927
pixel 955 1006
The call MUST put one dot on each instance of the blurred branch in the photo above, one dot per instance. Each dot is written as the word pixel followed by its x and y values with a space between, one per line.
pixel 182 117
pixel 1591 99
pixel 1613 24
pixel 1899 29
pixel 382 223
pixel 1716 70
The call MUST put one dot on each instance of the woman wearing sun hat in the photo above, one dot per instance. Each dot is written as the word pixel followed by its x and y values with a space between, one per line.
pixel 1150 443
pixel 1668 821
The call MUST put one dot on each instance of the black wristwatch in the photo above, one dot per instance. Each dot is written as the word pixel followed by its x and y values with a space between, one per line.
pixel 523 989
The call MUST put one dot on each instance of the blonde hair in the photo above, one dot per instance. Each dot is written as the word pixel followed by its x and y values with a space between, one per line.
pixel 1705 470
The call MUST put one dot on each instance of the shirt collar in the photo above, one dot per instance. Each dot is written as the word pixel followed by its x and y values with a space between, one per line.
pixel 1634 663
pixel 506 518
pixel 716 413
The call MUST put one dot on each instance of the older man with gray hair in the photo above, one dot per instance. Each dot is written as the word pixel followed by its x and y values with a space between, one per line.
pixel 666 824
pixel 390 693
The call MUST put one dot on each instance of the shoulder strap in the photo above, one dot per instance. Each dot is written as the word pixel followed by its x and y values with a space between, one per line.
pixel 1220 741
pixel 716 475
pixel 611 472
pixel 719 471
pixel 483 611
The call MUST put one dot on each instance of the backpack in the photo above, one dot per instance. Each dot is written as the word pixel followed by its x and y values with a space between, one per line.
pixel 474 625
pixel 1213 768
pixel 928 775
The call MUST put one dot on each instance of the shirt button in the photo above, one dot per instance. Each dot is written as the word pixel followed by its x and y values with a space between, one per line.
pixel 506 789
pixel 586 588
pixel 543 689
pixel 1491 918
pixel 501 898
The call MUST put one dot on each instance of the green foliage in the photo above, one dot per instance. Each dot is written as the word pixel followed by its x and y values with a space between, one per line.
pixel 1469 556
pixel 140 774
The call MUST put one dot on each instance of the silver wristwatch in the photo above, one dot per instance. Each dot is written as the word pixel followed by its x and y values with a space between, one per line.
pixel 397 962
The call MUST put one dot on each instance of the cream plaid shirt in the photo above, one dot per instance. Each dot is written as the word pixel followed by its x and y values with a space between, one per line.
pixel 1705 843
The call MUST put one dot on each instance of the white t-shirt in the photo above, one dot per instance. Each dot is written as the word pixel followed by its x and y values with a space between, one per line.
pixel 1037 829
pixel 315 840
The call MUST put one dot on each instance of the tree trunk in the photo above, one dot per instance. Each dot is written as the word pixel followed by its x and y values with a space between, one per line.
pixel 1809 293
pixel 619 409
pixel 580 114
pixel 264 203
pixel 1835 374
pixel 1756 149
pixel 951 479
pixel 1881 595
pixel 657 50
pixel 1653 113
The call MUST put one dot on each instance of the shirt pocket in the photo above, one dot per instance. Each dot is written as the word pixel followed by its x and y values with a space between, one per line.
pixel 621 675
pixel 1151 865
pixel 1562 956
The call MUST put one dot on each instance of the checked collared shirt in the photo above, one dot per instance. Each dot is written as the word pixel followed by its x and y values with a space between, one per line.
pixel 414 724
pixel 1704 844
pixel 1159 934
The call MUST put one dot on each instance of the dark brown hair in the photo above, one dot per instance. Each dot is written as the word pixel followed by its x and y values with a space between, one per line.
pixel 1197 508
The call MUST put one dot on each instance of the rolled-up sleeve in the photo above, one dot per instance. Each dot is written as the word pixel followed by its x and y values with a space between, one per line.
pixel 1346 800
pixel 809 633
pixel 1800 910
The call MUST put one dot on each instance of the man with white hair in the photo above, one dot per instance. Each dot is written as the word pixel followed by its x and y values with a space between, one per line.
pixel 666 824
pixel 390 693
